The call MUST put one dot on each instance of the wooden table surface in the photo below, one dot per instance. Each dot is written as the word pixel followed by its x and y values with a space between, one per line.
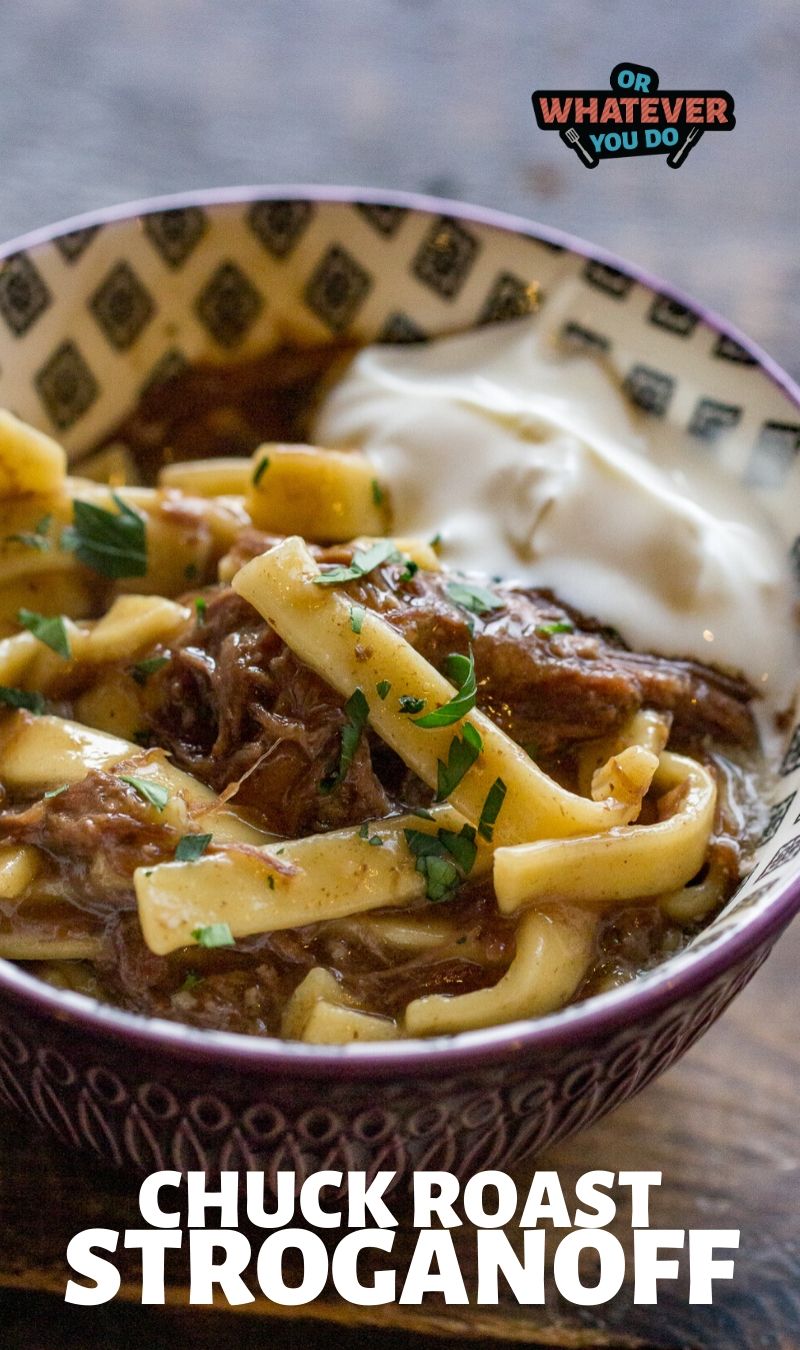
pixel 115 99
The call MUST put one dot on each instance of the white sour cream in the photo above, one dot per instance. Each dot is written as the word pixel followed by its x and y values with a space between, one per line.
pixel 530 467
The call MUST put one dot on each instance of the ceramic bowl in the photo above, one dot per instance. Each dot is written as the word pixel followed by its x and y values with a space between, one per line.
pixel 94 310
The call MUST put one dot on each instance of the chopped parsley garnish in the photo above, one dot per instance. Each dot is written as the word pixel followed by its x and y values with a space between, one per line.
pixel 409 703
pixel 51 630
pixel 382 688
pixel 364 561
pixel 35 538
pixel 200 610
pixel 154 793
pixel 475 599
pixel 55 792
pixel 192 846
pixel 214 935
pixel 260 470
pixel 444 859
pixel 559 626
pixel 436 542
pixel 357 710
pixel 111 543
pixel 192 979
pixel 491 809
pixel 21 698
pixel 144 669
pixel 461 756
pixel 461 670
pixel 373 839
pixel 357 617
pixel 410 570
pixel 378 494
pixel 422 812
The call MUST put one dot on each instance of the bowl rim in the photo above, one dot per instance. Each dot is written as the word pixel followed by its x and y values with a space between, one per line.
pixel 588 1021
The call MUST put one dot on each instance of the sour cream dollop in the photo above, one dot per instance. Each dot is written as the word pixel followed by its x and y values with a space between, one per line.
pixel 529 466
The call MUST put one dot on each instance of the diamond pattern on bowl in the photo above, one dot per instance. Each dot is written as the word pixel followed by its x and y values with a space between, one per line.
pixel 122 306
pixel 279 225
pixel 72 245
pixel 400 328
pixel 176 233
pixel 229 305
pixel 66 385
pixel 509 298
pixel 675 318
pixel 710 418
pixel 23 293
pixel 337 288
pixel 385 219
pixel 649 389
pixel 446 257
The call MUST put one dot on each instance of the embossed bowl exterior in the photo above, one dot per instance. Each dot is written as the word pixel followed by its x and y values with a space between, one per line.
pixel 95 310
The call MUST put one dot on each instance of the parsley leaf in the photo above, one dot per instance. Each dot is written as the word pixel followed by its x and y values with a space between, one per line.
pixel 560 626
pixel 462 670
pixel 49 630
pixel 214 935
pixel 36 538
pixel 460 758
pixel 200 610
pixel 382 688
pixel 443 859
pixel 154 793
pixel 409 703
pixel 21 698
pixel 261 469
pixel 378 494
pixel 357 618
pixel 475 599
pixel 364 561
pixel 410 570
pixel 191 846
pixel 491 809
pixel 144 669
pixel 192 979
pixel 373 839
pixel 357 710
pixel 113 544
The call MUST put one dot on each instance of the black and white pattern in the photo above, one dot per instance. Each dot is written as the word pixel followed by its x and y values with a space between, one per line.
pixel 176 234
pixel 71 246
pixel 228 305
pixel 577 338
pixel 385 219
pixel 66 385
pixel 776 818
pixel 400 328
pixel 649 389
pixel 337 288
pixel 711 418
pixel 667 313
pixel 509 298
pixel 279 225
pixel 446 257
pixel 729 350
pixel 608 279
pixel 773 454
pixel 23 293
pixel 122 306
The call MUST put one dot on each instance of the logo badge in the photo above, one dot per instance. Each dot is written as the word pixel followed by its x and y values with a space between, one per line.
pixel 633 117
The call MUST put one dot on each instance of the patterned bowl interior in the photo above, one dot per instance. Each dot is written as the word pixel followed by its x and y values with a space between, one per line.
pixel 93 313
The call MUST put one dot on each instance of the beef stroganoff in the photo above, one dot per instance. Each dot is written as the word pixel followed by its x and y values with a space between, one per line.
pixel 271 764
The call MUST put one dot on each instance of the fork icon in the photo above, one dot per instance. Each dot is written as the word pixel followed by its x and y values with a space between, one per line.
pixel 570 137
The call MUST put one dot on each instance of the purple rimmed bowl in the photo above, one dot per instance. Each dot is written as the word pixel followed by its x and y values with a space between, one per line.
pixel 96 309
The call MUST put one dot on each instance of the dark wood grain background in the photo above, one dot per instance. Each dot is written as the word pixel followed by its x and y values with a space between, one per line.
pixel 107 100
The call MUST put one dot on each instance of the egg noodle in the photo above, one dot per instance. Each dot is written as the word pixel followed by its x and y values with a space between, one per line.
pixel 557 858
